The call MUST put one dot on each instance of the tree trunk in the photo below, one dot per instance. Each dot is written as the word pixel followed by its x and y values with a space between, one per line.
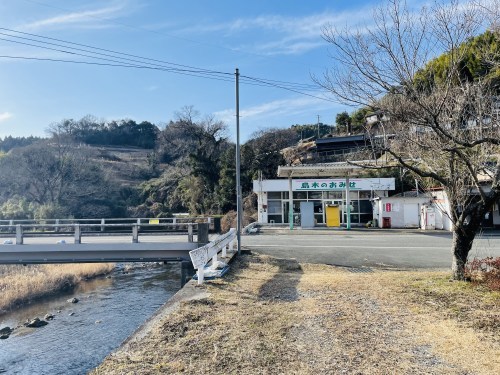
pixel 462 244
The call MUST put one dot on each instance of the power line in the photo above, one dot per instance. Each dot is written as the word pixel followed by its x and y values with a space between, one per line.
pixel 288 89
pixel 105 50
pixel 112 55
pixel 116 59
pixel 147 30
pixel 89 49
pixel 107 64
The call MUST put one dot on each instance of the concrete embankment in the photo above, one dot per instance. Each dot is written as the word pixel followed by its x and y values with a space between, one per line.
pixel 275 316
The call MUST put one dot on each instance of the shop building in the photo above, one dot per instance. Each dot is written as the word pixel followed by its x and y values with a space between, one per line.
pixel 312 197
pixel 320 192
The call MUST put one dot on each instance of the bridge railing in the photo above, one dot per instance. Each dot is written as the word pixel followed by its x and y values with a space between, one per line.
pixel 102 225
pixel 202 255
pixel 32 230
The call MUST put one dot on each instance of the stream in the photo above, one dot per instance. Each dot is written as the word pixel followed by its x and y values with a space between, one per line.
pixel 84 333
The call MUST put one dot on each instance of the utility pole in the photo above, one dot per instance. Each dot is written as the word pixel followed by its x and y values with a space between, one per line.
pixel 318 126
pixel 238 166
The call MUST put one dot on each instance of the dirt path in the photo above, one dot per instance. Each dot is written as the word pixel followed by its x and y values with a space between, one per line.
pixel 272 316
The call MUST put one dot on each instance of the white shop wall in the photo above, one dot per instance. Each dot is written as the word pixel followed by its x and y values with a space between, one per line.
pixel 404 212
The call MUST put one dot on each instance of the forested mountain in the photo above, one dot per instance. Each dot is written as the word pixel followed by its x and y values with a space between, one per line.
pixel 91 168
pixel 9 142
pixel 91 131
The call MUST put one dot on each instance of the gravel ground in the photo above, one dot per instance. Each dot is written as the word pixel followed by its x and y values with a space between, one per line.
pixel 275 316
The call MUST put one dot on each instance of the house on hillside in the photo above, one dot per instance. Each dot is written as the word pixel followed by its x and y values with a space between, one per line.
pixel 342 145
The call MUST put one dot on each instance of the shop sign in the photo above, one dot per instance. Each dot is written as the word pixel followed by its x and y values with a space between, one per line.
pixel 340 184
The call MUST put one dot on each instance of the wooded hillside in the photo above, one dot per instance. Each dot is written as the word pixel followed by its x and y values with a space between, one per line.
pixel 91 168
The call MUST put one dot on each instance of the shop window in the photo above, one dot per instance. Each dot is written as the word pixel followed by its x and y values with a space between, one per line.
pixel 319 219
pixel 365 194
pixel 365 207
pixel 274 195
pixel 318 207
pixel 354 206
pixel 333 195
pixel 285 195
pixel 300 195
pixel 354 219
pixel 315 195
pixel 277 219
pixel 365 218
pixel 274 207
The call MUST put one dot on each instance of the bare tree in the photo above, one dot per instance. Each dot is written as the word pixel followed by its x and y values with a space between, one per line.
pixel 441 120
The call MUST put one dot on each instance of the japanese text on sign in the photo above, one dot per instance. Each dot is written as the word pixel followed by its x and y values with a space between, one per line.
pixel 326 184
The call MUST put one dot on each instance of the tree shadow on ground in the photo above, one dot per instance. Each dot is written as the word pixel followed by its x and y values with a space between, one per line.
pixel 283 285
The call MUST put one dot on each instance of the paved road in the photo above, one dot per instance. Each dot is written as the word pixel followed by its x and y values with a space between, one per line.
pixel 368 249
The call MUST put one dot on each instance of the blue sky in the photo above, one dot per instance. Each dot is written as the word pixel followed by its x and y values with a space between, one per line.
pixel 278 40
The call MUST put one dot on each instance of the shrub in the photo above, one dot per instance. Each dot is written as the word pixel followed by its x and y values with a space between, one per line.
pixel 484 271
pixel 16 209
pixel 229 221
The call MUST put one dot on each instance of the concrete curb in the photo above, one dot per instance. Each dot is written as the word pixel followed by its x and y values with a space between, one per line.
pixel 343 231
pixel 263 229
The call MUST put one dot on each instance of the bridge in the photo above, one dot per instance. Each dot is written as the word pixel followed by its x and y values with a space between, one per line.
pixel 94 241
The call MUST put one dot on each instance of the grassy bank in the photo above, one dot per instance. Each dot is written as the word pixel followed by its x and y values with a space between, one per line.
pixel 272 316
pixel 22 284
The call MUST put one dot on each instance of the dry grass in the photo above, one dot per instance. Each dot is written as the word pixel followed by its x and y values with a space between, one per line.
pixel 272 316
pixel 20 284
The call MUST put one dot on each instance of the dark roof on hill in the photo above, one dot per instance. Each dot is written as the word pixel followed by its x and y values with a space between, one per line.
pixel 348 138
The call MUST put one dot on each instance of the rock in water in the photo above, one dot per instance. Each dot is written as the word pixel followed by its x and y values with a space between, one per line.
pixel 36 323
pixel 73 300
pixel 5 333
pixel 48 316
pixel 6 330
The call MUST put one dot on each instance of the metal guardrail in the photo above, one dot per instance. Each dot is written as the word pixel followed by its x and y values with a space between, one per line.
pixel 103 224
pixel 202 255
pixel 97 249
pixel 124 220
pixel 20 230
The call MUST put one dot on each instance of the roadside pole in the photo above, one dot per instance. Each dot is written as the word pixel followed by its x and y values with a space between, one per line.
pixel 348 201
pixel 238 162
pixel 290 202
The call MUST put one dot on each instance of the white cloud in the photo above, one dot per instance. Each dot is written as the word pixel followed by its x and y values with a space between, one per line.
pixel 286 35
pixel 287 47
pixel 84 18
pixel 275 108
pixel 5 116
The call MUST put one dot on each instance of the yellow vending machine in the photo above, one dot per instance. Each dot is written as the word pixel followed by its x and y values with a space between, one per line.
pixel 332 215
